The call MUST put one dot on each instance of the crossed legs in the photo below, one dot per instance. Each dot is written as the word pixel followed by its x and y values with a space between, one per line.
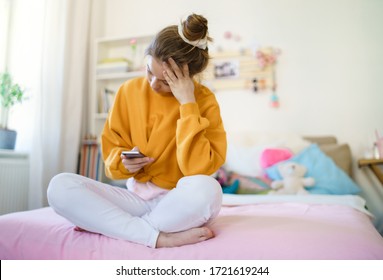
pixel 172 219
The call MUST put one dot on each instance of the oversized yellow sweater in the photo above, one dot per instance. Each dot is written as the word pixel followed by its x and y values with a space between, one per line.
pixel 183 139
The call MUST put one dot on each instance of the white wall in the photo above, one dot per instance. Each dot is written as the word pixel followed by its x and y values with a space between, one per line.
pixel 329 73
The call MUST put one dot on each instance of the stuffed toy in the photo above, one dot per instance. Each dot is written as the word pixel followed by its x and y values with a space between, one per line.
pixel 293 180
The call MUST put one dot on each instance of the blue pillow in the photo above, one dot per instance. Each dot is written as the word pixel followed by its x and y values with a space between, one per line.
pixel 329 178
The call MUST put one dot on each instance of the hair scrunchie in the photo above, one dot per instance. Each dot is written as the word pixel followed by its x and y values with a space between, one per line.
pixel 201 43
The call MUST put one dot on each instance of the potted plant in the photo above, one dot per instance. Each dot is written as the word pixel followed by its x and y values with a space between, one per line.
pixel 10 94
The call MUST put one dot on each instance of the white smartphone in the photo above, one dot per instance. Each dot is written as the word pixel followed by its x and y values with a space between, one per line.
pixel 133 154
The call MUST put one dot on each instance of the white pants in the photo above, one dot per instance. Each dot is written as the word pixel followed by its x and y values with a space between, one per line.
pixel 122 214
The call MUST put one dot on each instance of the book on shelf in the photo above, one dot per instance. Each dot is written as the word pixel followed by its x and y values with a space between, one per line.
pixel 113 65
pixel 106 100
pixel 90 163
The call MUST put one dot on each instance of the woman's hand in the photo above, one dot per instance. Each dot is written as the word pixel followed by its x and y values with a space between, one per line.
pixel 135 164
pixel 180 83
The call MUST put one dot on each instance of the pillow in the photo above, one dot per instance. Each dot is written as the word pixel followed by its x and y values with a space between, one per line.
pixel 271 156
pixel 340 154
pixel 289 140
pixel 244 150
pixel 244 160
pixel 232 189
pixel 329 178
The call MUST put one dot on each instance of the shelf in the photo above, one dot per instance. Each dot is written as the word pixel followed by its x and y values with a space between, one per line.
pixel 369 161
pixel 373 164
pixel 120 76
pixel 123 40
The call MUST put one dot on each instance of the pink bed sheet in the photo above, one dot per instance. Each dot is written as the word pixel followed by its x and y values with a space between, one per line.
pixel 274 231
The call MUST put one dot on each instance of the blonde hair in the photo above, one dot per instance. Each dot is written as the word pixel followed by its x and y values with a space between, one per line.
pixel 168 43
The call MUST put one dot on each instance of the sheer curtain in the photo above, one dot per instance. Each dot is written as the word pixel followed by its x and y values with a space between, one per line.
pixel 49 123
pixel 4 21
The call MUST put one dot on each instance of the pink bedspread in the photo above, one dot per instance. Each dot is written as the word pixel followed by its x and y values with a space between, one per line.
pixel 262 231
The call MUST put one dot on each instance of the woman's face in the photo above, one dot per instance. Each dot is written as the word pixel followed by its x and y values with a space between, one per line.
pixel 154 74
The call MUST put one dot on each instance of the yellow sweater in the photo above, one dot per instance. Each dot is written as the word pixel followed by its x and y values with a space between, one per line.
pixel 184 139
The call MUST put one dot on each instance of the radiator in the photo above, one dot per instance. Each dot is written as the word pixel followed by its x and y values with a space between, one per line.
pixel 14 181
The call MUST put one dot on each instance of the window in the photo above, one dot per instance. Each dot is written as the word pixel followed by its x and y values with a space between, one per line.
pixel 4 27
pixel 21 34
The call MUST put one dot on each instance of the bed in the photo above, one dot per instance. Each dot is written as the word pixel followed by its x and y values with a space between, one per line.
pixel 324 224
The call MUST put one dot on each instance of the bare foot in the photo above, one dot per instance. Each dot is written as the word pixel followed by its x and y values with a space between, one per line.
pixel 190 236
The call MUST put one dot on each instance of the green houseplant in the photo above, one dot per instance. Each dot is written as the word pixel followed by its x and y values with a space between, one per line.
pixel 10 94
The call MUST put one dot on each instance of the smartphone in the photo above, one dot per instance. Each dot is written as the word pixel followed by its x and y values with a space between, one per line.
pixel 133 154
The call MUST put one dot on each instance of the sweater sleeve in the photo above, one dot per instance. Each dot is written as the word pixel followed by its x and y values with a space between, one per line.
pixel 115 138
pixel 201 139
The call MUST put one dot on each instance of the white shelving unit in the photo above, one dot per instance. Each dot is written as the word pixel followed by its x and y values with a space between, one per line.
pixel 130 49
pixel 106 52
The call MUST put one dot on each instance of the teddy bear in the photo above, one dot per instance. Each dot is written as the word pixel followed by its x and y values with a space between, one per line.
pixel 293 180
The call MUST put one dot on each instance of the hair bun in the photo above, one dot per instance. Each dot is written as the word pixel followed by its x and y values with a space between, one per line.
pixel 195 27
pixel 186 43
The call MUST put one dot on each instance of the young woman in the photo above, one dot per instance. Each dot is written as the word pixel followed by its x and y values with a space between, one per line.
pixel 175 123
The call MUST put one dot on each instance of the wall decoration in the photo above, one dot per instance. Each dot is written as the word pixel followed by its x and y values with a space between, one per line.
pixel 224 69
pixel 245 69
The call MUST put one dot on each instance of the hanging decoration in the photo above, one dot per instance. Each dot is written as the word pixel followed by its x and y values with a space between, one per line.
pixel 267 58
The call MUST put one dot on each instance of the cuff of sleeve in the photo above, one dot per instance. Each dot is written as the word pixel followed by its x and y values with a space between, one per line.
pixel 189 109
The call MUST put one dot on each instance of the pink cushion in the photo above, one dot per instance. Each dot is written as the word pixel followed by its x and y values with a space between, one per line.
pixel 271 156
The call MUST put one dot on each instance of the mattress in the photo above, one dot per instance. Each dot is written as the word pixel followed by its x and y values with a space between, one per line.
pixel 252 227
